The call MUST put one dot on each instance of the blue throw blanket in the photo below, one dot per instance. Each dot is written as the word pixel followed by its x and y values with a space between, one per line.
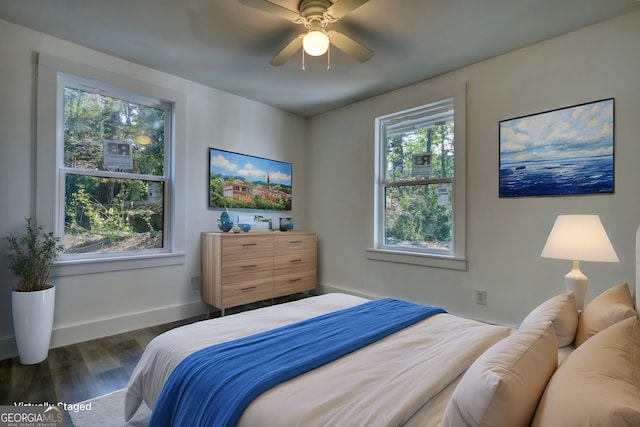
pixel 213 386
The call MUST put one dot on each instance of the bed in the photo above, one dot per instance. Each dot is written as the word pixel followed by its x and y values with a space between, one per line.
pixel 441 371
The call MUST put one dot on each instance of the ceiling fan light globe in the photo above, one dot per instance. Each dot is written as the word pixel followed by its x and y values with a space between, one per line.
pixel 315 43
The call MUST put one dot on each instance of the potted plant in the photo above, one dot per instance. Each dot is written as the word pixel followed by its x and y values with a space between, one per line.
pixel 31 258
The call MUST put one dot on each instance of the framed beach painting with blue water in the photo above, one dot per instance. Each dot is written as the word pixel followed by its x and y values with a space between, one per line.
pixel 568 151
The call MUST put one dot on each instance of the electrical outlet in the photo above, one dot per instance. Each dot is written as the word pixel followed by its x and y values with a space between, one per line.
pixel 195 283
pixel 481 297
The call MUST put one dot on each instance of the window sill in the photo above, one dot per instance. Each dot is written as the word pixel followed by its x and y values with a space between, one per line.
pixel 105 265
pixel 426 260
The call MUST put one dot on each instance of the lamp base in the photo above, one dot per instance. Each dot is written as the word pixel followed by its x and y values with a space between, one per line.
pixel 575 281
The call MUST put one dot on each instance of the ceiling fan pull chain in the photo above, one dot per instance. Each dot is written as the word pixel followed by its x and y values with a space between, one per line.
pixel 328 58
pixel 303 60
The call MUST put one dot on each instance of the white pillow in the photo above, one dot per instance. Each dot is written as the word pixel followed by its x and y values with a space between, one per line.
pixel 562 311
pixel 503 386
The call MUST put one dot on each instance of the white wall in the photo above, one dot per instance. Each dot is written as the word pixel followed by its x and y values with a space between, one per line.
pixel 89 306
pixel 504 236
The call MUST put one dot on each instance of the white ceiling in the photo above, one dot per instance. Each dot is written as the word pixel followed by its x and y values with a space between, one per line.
pixel 226 45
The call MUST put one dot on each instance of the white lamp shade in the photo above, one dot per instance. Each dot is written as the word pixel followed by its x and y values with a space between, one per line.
pixel 579 238
pixel 315 43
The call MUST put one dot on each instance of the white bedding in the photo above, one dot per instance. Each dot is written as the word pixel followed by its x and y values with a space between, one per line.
pixel 391 382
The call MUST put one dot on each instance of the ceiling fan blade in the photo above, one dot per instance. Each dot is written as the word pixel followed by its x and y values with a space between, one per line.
pixel 348 45
pixel 272 8
pixel 288 51
pixel 342 7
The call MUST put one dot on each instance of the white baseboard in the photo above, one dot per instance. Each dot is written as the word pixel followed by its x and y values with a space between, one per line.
pixel 327 289
pixel 105 327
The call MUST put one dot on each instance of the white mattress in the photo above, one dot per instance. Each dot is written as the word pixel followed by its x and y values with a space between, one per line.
pixel 395 381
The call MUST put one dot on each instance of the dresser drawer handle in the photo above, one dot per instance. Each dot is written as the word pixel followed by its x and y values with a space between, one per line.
pixel 250 288
pixel 249 244
pixel 250 266
pixel 296 260
pixel 295 280
pixel 295 241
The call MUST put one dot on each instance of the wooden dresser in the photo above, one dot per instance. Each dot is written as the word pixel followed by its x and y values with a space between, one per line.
pixel 248 267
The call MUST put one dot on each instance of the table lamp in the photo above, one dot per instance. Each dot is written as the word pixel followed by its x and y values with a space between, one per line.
pixel 579 238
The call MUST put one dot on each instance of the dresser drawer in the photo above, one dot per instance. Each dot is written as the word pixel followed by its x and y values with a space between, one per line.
pixel 246 269
pixel 246 246
pixel 293 242
pixel 247 291
pixel 294 282
pixel 302 260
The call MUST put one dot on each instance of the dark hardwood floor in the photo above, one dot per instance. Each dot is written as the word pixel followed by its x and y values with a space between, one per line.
pixel 82 371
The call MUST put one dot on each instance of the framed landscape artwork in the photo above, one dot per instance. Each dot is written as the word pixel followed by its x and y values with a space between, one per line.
pixel 243 181
pixel 568 151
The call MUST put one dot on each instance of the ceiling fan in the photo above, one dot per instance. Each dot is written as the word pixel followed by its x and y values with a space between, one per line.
pixel 315 15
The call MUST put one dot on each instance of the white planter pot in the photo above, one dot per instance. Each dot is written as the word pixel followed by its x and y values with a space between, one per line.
pixel 33 323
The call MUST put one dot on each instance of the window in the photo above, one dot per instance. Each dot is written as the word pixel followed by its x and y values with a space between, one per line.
pixel 420 181
pixel 114 170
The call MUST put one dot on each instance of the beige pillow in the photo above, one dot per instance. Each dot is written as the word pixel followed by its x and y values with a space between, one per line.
pixel 608 308
pixel 598 384
pixel 503 386
pixel 562 311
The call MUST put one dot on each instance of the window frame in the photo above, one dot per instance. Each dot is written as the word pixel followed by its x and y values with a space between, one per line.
pixel 53 72
pixel 456 258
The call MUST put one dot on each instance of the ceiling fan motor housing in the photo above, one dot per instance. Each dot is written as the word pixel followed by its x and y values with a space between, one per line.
pixel 314 10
